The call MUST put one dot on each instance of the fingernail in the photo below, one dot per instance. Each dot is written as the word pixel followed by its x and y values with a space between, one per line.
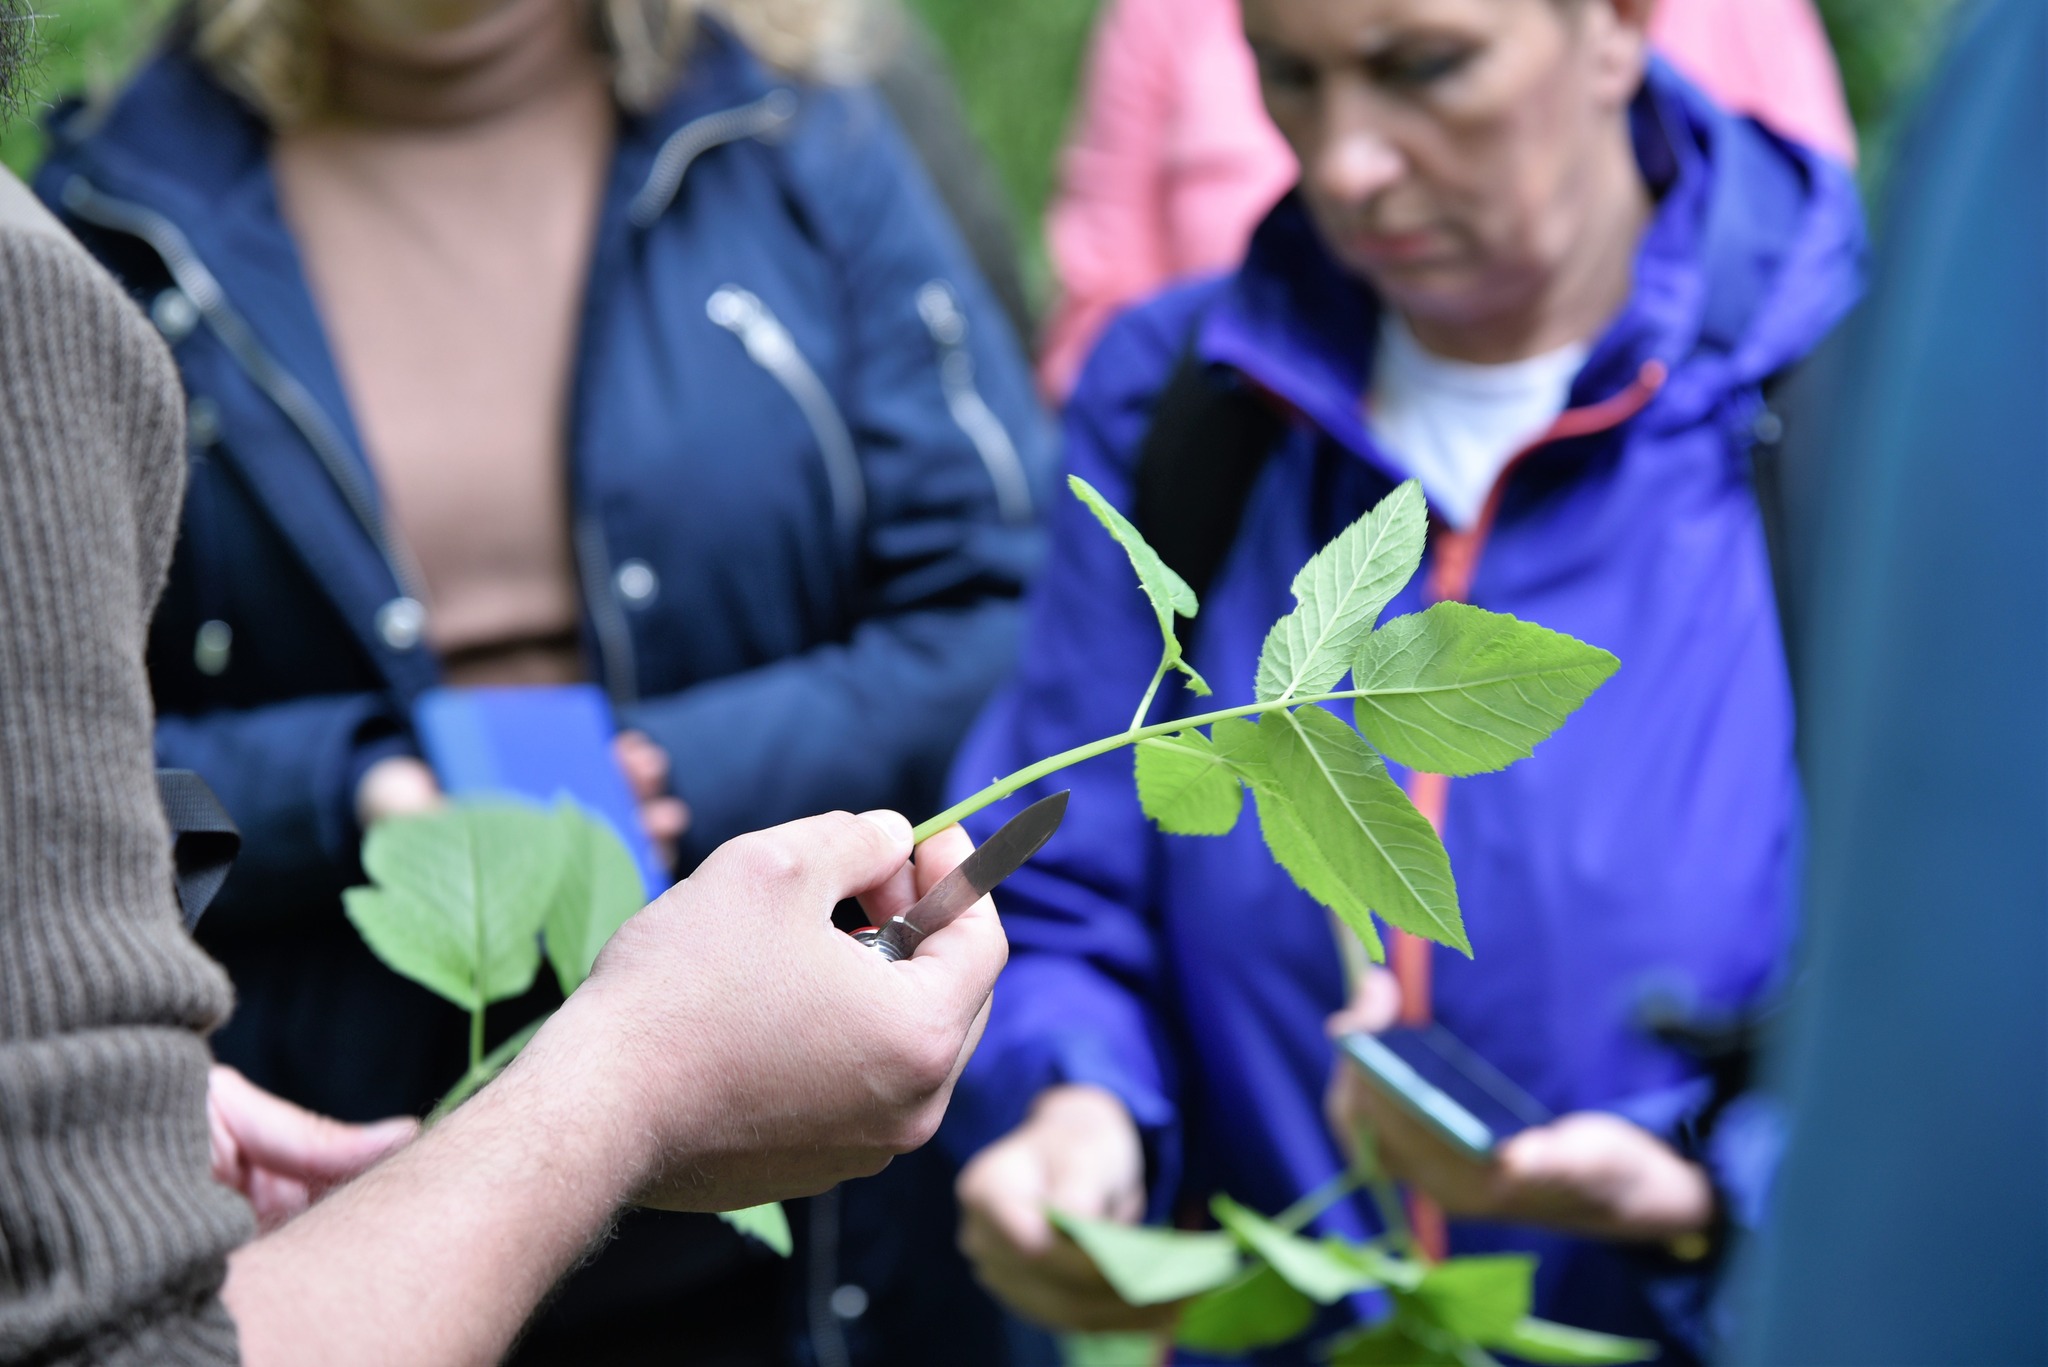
pixel 895 823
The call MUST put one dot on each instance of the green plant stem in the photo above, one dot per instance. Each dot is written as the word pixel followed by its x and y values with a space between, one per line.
pixel 1151 692
pixel 1031 773
pixel 482 1071
pixel 1386 1196
pixel 1296 1217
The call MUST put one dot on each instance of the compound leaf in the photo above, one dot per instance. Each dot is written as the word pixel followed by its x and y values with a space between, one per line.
pixel 600 890
pixel 459 896
pixel 1391 1345
pixel 1542 1341
pixel 1147 1265
pixel 1340 593
pixel 1459 690
pixel 1257 1310
pixel 1186 786
pixel 767 1223
pixel 1169 593
pixel 1307 1266
pixel 1353 829
pixel 1480 1298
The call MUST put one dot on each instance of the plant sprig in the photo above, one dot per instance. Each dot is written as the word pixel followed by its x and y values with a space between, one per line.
pixel 1452 690
pixel 1257 1282
pixel 465 901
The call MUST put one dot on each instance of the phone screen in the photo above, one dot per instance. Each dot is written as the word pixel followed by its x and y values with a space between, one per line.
pixel 1443 1083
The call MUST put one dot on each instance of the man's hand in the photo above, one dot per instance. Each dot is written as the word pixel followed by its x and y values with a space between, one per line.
pixel 1586 1173
pixel 1078 1152
pixel 398 786
pixel 765 1053
pixel 730 1047
pixel 665 817
pixel 282 1158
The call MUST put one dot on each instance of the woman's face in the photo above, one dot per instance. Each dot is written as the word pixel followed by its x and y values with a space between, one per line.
pixel 1450 149
pixel 399 24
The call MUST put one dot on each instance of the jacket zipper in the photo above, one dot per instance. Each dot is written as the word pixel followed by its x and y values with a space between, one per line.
pixel 940 309
pixel 694 139
pixel 770 346
pixel 198 284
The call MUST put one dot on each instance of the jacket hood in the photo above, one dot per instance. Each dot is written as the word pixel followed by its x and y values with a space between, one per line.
pixel 1755 251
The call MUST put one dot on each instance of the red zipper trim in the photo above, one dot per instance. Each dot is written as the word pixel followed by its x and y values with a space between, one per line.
pixel 1450 578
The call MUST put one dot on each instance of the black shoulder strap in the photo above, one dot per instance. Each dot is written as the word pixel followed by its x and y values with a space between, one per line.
pixel 1210 436
pixel 204 840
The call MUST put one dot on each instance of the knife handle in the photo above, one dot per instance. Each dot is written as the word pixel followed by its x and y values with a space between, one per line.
pixel 882 944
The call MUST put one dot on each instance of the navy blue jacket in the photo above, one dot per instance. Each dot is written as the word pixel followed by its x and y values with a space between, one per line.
pixel 1645 851
pixel 805 462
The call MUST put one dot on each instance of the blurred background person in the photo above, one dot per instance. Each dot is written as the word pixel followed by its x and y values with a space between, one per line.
pixel 1548 277
pixel 1916 1175
pixel 530 342
pixel 1172 160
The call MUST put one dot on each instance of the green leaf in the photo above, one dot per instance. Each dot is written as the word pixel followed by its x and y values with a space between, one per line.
pixel 1148 1265
pixel 1257 1310
pixel 1479 1298
pixel 1186 786
pixel 459 897
pixel 1459 690
pixel 1340 592
pixel 1240 745
pixel 1390 1345
pixel 1169 593
pixel 600 890
pixel 1307 1266
pixel 1541 1341
pixel 1111 1350
pixel 1394 1273
pixel 1353 829
pixel 767 1223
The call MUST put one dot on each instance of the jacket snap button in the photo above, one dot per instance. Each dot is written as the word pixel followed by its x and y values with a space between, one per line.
pixel 637 583
pixel 202 422
pixel 174 314
pixel 401 622
pixel 1768 429
pixel 849 1302
pixel 210 648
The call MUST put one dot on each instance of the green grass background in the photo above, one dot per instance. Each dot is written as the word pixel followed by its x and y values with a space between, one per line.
pixel 1016 61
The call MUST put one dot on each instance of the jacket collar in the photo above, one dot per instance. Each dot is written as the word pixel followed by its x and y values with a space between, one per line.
pixel 1754 251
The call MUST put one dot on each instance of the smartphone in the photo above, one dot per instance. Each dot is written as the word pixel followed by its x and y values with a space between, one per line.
pixel 539 744
pixel 1439 1080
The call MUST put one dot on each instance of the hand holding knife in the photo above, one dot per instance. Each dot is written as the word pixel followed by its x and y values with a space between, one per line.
pixel 1000 856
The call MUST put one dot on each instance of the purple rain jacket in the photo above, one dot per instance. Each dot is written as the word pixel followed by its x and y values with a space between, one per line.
pixel 1645 852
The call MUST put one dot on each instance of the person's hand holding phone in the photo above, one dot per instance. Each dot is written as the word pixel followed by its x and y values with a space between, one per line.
pixel 1586 1173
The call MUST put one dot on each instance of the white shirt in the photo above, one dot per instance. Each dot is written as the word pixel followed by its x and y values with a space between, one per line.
pixel 1455 425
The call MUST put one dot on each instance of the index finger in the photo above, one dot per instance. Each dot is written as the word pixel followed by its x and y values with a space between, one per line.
pixel 956 967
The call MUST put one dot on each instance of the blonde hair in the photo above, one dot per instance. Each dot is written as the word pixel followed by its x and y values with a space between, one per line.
pixel 269 51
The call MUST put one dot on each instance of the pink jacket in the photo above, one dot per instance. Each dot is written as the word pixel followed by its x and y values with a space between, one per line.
pixel 1173 161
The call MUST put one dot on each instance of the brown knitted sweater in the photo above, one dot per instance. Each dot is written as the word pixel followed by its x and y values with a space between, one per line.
pixel 113 1237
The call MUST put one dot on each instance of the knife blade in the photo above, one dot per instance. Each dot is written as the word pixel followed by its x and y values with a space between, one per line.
pixel 1001 855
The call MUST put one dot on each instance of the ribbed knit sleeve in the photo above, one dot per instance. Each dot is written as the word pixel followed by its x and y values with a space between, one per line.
pixel 113 1237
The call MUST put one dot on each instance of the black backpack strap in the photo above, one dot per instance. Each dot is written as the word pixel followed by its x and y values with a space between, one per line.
pixel 1211 434
pixel 204 840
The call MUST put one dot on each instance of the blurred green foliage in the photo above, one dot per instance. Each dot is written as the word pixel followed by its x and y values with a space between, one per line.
pixel 1017 61
pixel 80 46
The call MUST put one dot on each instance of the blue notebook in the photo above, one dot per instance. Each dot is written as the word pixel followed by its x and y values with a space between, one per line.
pixel 539 744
